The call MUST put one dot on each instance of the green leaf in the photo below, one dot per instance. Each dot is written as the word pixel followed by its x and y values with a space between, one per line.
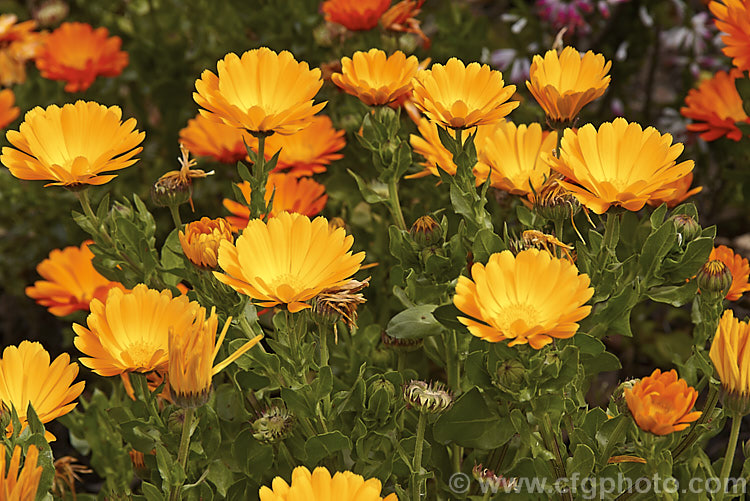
pixel 414 323
pixel 325 445
pixel 486 243
pixel 582 462
pixel 370 195
pixel 151 492
pixel 170 470
pixel 470 423
pixel 221 476
pixel 654 250
pixel 673 294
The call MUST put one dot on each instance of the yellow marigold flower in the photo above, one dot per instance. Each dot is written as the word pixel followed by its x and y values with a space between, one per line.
pixel 288 260
pixel 222 142
pixel 681 192
pixel 374 78
pixel 738 266
pixel 200 241
pixel 308 151
pixel 8 112
pixel 290 194
pixel 620 164
pixel 72 145
pixel 28 377
pixel 20 485
pixel 191 357
pixel 355 16
pixel 261 91
pixel 564 84
pixel 71 281
pixel 733 20
pixel 662 403
pixel 529 298
pixel 716 107
pixel 129 332
pixel 320 486
pixel 515 155
pixel 462 96
pixel 77 53
pixel 436 155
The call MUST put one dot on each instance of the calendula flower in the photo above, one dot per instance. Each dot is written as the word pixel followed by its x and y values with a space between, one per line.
pixel 129 332
pixel 729 353
pixel 308 151
pixel 200 241
pixel 341 302
pixel 402 18
pixel 73 145
pixel 514 153
pixel 662 403
pixel 738 267
pixel 77 53
pixel 563 84
pixel 288 260
pixel 375 78
pixel 222 142
pixel 290 194
pixel 355 16
pixel 66 475
pixel 716 107
pixel 8 112
pixel 460 96
pixel 436 156
pixel 529 298
pixel 191 358
pixel 733 20
pixel 261 91
pixel 176 186
pixel 18 43
pixel 71 281
pixel 620 164
pixel 28 377
pixel 20 485
pixel 681 192
pixel 320 486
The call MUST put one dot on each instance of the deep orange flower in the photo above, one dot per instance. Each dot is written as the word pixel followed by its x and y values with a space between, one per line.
pixel 402 18
pixel 308 151
pixel 662 403
pixel 200 241
pixel 77 53
pixel 716 106
pixel 18 43
pixel 375 78
pixel 733 19
pixel 71 281
pixel 8 112
pixel 681 193
pixel 298 195
pixel 738 266
pixel 355 15
pixel 222 142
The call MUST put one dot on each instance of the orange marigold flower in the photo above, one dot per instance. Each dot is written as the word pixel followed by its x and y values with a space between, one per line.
pixel 733 19
pixel 459 96
pixel 71 281
pixel 308 151
pixel 402 18
pixel 261 91
pixel 529 298
pixel 18 43
pixel 28 377
pixel 716 106
pixel 77 53
pixel 376 79
pixel 436 155
pixel 200 241
pixel 563 84
pixel 662 403
pixel 681 193
pixel 320 485
pixel 356 16
pixel 222 142
pixel 23 485
pixel 288 260
pixel 8 112
pixel 72 145
pixel 292 194
pixel 738 267
pixel 129 331
pixel 619 164
pixel 514 153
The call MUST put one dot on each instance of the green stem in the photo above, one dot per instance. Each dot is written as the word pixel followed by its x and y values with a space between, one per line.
pixel 174 209
pixel 394 204
pixel 416 480
pixel 551 442
pixel 182 454
pixel 83 197
pixel 726 467
pixel 401 363
pixel 617 433
pixel 711 400
pixel 284 450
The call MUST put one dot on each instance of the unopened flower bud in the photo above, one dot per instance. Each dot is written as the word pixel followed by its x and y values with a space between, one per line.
pixel 429 397
pixel 510 374
pixel 274 424
pixel 51 12
pixel 336 222
pixel 167 192
pixel 200 241
pixel 384 385
pixel 426 232
pixel 687 227
pixel 736 403
pixel 139 463
pixel 714 278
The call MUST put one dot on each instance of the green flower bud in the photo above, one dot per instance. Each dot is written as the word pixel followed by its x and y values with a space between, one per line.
pixel 273 425
pixel 167 192
pixel 735 403
pixel 426 232
pixel 714 278
pixel 687 228
pixel 429 397
pixel 510 374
